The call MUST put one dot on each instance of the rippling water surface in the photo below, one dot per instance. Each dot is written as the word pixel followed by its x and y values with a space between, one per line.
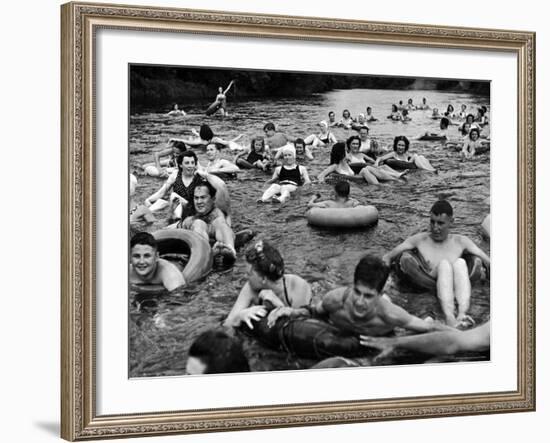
pixel 163 327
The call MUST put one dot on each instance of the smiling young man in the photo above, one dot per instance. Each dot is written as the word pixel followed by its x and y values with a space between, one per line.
pixel 442 252
pixel 363 309
pixel 147 268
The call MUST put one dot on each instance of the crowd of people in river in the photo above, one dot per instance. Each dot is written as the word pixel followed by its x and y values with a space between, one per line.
pixel 199 201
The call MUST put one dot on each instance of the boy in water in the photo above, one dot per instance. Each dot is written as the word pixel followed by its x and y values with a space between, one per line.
pixel 442 252
pixel 362 308
pixel 341 198
pixel 147 268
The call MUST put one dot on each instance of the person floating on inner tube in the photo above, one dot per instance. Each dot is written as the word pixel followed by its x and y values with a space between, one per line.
pixel 339 164
pixel 324 138
pixel 303 153
pixel 176 112
pixel 147 268
pixel 138 212
pixel 206 136
pixel 395 114
pixel 472 144
pixel 442 252
pixel 346 121
pixel 274 139
pixel 165 166
pixel 268 287
pixel 216 164
pixel 288 176
pixel 341 198
pixel 362 308
pixel 210 222
pixel 257 156
pixel 434 343
pixel 400 153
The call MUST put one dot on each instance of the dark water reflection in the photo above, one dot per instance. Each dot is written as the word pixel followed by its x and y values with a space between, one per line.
pixel 163 327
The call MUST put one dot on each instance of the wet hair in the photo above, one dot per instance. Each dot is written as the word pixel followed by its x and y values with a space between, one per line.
pixel 337 153
pixel 394 108
pixel 442 207
pixel 266 260
pixel 206 184
pixel 220 353
pixel 351 139
pixel 179 145
pixel 342 189
pixel 474 130
pixel 143 238
pixel 371 271
pixel 206 133
pixel 253 142
pixel 444 123
pixel 269 127
pixel 179 158
pixel 398 139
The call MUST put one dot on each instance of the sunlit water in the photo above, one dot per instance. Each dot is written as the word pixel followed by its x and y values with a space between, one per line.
pixel 163 327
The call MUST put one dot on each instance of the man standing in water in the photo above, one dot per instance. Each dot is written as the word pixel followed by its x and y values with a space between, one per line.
pixel 221 98
pixel 442 252
pixel 147 268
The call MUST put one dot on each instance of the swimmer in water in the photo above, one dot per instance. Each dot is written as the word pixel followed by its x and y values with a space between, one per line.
pixel 324 138
pixel 303 153
pixel 217 164
pixel 362 308
pixel 147 268
pixel 166 165
pixel 286 178
pixel 176 112
pixel 341 198
pixel 274 139
pixel 405 114
pixel 370 116
pixel 395 114
pixel 267 287
pixel 424 104
pixel 138 212
pixel 346 121
pixel 472 144
pixel 332 119
pixel 442 252
pixel 339 164
pixel 257 156
pixel 205 136
pixel 435 114
pixel 221 98
pixel 400 152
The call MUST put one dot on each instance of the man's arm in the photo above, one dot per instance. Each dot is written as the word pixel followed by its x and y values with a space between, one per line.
pixel 162 191
pixel 473 249
pixel 396 316
pixel 407 245
pixel 159 154
pixel 170 275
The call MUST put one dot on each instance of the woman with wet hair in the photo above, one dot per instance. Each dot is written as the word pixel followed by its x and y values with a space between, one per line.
pixel 267 288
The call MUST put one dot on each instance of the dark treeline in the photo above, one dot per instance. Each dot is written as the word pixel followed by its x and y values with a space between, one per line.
pixel 152 86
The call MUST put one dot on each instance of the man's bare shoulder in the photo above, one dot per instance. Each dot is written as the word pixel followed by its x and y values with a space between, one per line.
pixel 334 299
pixel 418 239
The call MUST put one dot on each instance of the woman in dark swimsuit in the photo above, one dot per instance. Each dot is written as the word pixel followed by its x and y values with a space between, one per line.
pixel 267 288
pixel 402 159
pixel 255 157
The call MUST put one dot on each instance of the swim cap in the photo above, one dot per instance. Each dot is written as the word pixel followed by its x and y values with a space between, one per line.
pixel 323 123
pixel 289 148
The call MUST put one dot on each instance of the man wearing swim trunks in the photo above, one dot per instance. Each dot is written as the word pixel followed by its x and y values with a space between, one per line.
pixel 362 308
pixel 442 252
pixel 147 268
pixel 210 222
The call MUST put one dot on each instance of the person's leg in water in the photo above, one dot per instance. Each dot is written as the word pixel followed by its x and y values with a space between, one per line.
pixel 313 140
pixel 224 253
pixel 445 291
pixel 242 163
pixel 273 190
pixel 385 173
pixel 286 190
pixel 369 177
pixel 463 292
pixel 422 162
pixel 201 228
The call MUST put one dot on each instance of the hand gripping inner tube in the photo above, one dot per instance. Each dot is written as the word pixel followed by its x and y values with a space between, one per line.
pixel 307 338
pixel 427 137
pixel 399 165
pixel 413 268
pixel 357 217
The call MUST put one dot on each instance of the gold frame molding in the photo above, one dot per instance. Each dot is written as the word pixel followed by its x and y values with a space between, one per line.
pixel 79 22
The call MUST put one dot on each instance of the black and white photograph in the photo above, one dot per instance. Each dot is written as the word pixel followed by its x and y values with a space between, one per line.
pixel 284 220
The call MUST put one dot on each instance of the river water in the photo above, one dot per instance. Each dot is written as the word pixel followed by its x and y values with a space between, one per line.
pixel 162 328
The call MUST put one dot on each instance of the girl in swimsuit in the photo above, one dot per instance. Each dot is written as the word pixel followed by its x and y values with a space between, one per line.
pixel 324 138
pixel 221 98
pixel 339 164
pixel 370 117
pixel 473 144
pixel 346 121
pixel 450 112
pixel 400 152
pixel 257 156
pixel 395 114
pixel 289 176
pixel 267 288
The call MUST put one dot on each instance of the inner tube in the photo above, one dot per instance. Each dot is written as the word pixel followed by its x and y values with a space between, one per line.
pixel 486 226
pixel 412 267
pixel 399 165
pixel 183 241
pixel 213 108
pixel 307 338
pixel 335 177
pixel 357 217
pixel 427 137
pixel 225 175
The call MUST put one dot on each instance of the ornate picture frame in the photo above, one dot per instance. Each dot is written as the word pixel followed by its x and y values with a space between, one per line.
pixel 80 23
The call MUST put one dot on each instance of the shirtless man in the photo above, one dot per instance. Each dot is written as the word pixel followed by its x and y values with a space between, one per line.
pixel 147 268
pixel 209 221
pixel 361 308
pixel 341 198
pixel 275 139
pixel 442 251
